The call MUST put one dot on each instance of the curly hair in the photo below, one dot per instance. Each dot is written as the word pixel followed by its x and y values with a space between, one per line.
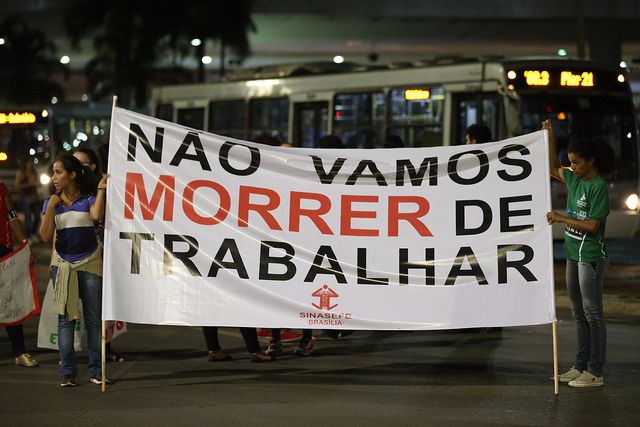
pixel 597 150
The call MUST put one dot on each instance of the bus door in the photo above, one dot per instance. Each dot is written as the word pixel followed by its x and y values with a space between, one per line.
pixel 475 108
pixel 310 120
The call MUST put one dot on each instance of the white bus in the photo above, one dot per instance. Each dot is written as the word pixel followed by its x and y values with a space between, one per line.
pixel 427 105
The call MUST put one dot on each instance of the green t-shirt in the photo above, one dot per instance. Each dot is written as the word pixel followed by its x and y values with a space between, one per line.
pixel 587 199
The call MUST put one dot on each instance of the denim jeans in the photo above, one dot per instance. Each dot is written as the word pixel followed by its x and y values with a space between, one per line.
pixel 31 212
pixel 584 286
pixel 90 288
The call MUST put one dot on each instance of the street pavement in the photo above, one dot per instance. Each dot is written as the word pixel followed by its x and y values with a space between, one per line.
pixel 425 378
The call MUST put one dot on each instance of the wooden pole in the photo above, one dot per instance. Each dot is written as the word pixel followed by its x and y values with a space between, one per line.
pixel 555 359
pixel 104 356
pixel 104 323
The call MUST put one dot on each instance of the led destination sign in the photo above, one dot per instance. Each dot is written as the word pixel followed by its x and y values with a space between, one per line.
pixel 564 78
pixel 17 118
pixel 568 78
pixel 537 78
pixel 534 77
pixel 416 94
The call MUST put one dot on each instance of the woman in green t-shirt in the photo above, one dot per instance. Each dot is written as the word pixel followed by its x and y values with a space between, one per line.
pixel 585 221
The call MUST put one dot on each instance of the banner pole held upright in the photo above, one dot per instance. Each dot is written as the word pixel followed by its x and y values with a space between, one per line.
pixel 555 358
pixel 104 323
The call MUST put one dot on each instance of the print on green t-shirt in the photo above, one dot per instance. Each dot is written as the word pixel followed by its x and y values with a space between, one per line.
pixel 586 199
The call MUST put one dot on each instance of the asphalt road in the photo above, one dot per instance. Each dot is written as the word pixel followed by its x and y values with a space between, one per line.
pixel 368 378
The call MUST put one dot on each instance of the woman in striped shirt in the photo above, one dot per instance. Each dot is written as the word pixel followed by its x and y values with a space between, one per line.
pixel 77 266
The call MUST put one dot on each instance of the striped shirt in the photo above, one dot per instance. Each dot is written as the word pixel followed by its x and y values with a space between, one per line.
pixel 75 235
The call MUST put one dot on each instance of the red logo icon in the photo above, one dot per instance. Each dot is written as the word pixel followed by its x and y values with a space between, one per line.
pixel 325 293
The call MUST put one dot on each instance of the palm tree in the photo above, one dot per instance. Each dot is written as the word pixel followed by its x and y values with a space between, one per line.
pixel 132 37
pixel 125 39
pixel 27 62
pixel 228 22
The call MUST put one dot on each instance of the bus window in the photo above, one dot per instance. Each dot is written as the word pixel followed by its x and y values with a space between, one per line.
pixel 164 112
pixel 311 123
pixel 596 116
pixel 228 118
pixel 475 108
pixel 191 117
pixel 270 116
pixel 358 119
pixel 416 115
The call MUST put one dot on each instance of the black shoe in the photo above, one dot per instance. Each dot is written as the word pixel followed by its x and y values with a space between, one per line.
pixel 305 348
pixel 218 356
pixel 68 382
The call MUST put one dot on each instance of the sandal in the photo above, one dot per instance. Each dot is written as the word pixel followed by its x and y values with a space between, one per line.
pixel 261 357
pixel 218 356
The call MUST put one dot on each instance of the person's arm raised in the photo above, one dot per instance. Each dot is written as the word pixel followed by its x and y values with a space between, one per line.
pixel 97 209
pixel 555 169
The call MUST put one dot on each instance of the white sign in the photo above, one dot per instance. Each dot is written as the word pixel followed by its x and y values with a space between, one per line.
pixel 18 291
pixel 208 230
pixel 48 326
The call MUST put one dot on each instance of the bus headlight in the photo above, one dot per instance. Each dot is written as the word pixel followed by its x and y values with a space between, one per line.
pixel 632 202
pixel 45 179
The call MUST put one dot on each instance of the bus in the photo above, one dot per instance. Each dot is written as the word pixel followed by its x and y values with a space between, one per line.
pixel 39 134
pixel 427 105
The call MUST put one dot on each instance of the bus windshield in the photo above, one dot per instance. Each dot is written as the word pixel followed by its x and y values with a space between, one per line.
pixel 593 116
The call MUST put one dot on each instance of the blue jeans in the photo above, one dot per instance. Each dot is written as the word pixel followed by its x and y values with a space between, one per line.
pixel 584 286
pixel 31 212
pixel 90 288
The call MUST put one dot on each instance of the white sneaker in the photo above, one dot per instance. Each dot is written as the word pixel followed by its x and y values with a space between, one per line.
pixel 570 375
pixel 98 381
pixel 587 379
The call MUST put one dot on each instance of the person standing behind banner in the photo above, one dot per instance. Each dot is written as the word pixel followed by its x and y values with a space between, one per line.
pixel 477 134
pixel 588 206
pixel 27 182
pixel 76 271
pixel 90 159
pixel 306 346
pixel 10 225
pixel 250 337
pixel 393 141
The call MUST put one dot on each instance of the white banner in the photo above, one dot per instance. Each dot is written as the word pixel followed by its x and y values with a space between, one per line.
pixel 207 230
pixel 18 292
